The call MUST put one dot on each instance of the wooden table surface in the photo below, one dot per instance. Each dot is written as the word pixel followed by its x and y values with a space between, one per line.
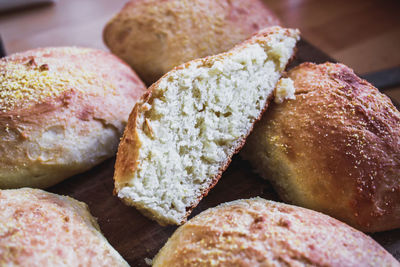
pixel 363 34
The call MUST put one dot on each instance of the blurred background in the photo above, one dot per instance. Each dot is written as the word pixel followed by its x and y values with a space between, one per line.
pixel 363 34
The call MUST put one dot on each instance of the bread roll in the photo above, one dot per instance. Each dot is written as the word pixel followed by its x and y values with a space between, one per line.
pixel 257 232
pixel 43 229
pixel 181 136
pixel 335 149
pixel 154 36
pixel 62 111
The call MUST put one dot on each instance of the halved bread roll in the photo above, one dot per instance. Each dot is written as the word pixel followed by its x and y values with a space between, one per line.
pixel 42 229
pixel 258 232
pixel 62 111
pixel 182 135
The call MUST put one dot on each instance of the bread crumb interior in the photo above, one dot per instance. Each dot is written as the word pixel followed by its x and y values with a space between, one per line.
pixel 195 119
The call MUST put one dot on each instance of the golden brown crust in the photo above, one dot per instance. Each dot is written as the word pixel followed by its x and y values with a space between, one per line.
pixel 128 150
pixel 155 36
pixel 335 149
pixel 257 232
pixel 62 120
pixel 44 229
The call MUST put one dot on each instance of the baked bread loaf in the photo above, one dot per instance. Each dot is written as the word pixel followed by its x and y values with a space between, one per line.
pixel 41 229
pixel 335 149
pixel 154 36
pixel 257 232
pixel 62 111
pixel 181 136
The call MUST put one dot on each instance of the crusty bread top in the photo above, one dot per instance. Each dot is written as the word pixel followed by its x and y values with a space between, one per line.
pixel 43 229
pixel 37 76
pixel 257 232
pixel 154 36
pixel 339 142
pixel 357 129
pixel 26 80
pixel 128 151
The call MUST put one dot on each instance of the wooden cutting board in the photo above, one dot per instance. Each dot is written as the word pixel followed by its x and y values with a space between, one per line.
pixel 137 237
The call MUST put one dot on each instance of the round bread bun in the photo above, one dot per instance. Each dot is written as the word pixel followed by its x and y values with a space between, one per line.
pixel 43 229
pixel 154 36
pixel 257 232
pixel 62 111
pixel 335 149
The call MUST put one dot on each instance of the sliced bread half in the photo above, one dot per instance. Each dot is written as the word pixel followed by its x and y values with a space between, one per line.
pixel 182 134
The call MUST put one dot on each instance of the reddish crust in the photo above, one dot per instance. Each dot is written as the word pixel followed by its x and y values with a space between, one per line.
pixel 103 98
pixel 256 232
pixel 341 140
pixel 176 31
pixel 127 85
pixel 44 229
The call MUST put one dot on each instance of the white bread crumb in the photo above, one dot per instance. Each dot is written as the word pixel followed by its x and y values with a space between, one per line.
pixel 284 90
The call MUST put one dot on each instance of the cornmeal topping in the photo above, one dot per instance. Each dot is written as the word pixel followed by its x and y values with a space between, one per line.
pixel 23 84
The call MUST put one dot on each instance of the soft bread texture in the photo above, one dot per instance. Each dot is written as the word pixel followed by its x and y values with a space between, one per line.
pixel 62 111
pixel 154 36
pixel 257 232
pixel 38 228
pixel 335 149
pixel 182 135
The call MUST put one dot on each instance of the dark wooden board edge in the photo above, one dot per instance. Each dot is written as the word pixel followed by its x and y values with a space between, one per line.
pixel 137 237
pixel 306 52
pixel 384 79
pixel 2 49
